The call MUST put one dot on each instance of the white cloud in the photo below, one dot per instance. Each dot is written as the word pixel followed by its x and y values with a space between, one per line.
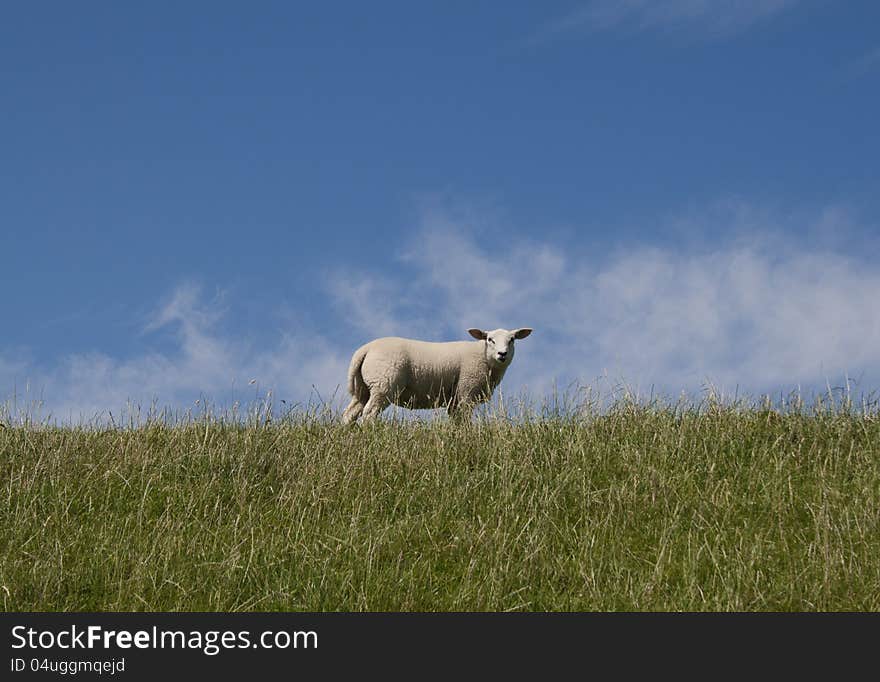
pixel 772 304
pixel 373 304
pixel 708 17
pixel 769 308
pixel 203 364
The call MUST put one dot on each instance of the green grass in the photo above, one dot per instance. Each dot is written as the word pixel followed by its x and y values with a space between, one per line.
pixel 640 508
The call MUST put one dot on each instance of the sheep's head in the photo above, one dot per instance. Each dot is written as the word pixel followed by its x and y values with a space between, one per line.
pixel 499 343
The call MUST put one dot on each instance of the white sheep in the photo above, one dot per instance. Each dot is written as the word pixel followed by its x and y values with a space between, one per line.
pixel 423 375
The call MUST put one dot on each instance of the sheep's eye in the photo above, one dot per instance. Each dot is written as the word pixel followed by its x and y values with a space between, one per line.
pixel 490 340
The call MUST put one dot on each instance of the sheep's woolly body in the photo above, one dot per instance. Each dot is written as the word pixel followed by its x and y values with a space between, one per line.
pixel 420 375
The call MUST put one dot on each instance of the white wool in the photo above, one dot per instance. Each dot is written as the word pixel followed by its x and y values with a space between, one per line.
pixel 422 375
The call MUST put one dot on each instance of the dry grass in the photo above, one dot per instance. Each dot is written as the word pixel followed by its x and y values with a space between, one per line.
pixel 638 508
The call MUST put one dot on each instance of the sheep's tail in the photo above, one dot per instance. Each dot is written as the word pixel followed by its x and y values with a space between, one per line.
pixel 356 385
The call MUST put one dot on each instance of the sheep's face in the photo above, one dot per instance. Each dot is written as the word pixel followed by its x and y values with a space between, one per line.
pixel 499 344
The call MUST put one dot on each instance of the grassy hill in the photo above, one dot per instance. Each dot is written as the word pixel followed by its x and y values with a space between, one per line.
pixel 658 507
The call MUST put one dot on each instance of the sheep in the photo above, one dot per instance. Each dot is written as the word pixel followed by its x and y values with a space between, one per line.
pixel 423 375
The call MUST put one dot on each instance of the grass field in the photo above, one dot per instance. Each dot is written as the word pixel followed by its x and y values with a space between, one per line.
pixel 638 508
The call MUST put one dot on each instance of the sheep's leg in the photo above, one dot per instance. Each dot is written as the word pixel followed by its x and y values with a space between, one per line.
pixel 374 406
pixel 452 407
pixel 353 411
pixel 459 411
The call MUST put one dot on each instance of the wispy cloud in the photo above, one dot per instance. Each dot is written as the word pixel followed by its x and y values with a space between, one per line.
pixel 769 308
pixel 773 305
pixel 710 18
pixel 203 364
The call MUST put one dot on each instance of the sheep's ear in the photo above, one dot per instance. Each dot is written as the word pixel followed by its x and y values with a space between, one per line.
pixel 477 334
pixel 521 333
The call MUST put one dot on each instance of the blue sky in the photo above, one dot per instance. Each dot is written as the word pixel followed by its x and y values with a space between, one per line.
pixel 671 193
